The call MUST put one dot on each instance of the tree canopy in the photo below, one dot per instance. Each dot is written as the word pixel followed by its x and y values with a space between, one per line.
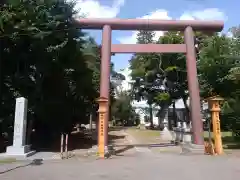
pixel 162 78
pixel 218 68
pixel 47 59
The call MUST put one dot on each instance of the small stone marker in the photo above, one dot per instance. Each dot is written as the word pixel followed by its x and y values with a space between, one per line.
pixel 19 147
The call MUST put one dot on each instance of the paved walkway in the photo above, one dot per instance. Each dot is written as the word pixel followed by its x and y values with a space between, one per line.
pixel 134 165
pixel 140 166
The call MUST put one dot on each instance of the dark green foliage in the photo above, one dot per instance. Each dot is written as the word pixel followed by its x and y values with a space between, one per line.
pixel 48 60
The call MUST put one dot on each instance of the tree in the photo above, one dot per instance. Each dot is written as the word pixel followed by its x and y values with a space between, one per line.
pixel 122 109
pixel 173 73
pixel 45 59
pixel 218 68
pixel 161 77
pixel 139 64
pixel 214 64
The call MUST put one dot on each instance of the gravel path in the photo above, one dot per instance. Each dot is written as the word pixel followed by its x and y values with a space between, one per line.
pixel 140 166
pixel 132 166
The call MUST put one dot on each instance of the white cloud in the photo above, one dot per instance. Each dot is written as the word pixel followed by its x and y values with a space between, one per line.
pixel 206 14
pixel 158 14
pixel 94 9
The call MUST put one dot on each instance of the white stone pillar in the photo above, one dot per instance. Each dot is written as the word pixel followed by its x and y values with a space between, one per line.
pixel 19 147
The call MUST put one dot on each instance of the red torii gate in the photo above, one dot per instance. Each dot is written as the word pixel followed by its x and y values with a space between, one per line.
pixel 107 25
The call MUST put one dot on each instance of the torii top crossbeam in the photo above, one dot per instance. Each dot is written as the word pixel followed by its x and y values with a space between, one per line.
pixel 150 24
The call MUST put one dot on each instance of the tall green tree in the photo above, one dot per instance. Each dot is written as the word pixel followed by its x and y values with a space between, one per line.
pixel 140 66
pixel 44 58
pixel 122 110
pixel 161 77
pixel 218 68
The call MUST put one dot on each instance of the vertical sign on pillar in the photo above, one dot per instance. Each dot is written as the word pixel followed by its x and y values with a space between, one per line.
pixel 217 131
pixel 101 134
pixel 103 104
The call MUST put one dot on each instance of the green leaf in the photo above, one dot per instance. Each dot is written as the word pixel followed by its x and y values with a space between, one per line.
pixel 41 34
pixel 31 28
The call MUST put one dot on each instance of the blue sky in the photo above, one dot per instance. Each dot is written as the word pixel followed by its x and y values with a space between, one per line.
pixel 156 9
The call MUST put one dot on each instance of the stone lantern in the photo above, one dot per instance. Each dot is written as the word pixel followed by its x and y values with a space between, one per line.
pixel 214 107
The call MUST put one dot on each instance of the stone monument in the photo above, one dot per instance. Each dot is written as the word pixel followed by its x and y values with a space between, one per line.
pixel 19 147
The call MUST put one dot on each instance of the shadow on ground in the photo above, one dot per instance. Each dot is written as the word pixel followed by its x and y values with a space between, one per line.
pixel 77 140
pixel 151 145
pixel 127 147
pixel 116 128
pixel 86 140
pixel 123 147
pixel 35 162
pixel 231 142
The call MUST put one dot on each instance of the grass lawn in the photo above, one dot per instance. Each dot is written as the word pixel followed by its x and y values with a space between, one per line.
pixel 152 136
pixel 7 160
pixel 144 136
pixel 229 141
pixel 224 134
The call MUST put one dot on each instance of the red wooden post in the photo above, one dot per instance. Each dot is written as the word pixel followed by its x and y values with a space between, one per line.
pixel 105 73
pixel 193 87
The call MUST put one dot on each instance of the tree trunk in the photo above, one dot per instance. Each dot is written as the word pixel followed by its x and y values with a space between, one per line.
pixel 159 118
pixel 151 115
pixel 174 114
pixel 170 127
pixel 29 131
pixel 187 110
pixel 90 121
pixel 162 114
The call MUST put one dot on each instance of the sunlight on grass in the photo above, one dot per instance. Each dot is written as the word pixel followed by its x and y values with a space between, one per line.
pixel 152 136
pixel 153 133
pixel 224 134
pixel 7 160
pixel 144 136
pixel 148 133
